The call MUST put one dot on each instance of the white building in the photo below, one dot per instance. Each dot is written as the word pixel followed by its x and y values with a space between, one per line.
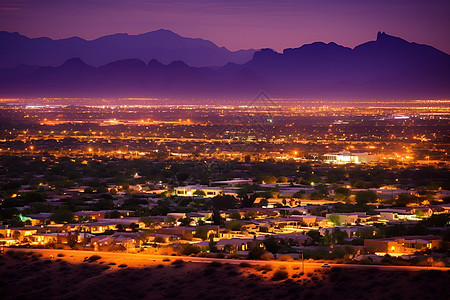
pixel 345 157
pixel 188 191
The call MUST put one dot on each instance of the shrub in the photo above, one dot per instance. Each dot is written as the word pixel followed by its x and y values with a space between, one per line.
pixel 204 254
pixel 94 258
pixel 188 249
pixel 265 256
pixel 178 262
pixel 245 265
pixel 280 275
pixel 215 264
pixel 122 266
pixel 19 254
pixel 256 253
pixel 233 256
pixel 285 258
pixel 264 268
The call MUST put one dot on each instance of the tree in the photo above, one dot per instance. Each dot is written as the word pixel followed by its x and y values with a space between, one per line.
pixel 134 227
pixel 247 201
pixel 212 244
pixel 283 179
pixel 62 215
pixel 159 239
pixel 216 218
pixel 437 220
pixel 322 190
pixel 256 252
pixel 405 199
pixel 147 221
pixel 72 239
pixel 250 215
pixel 88 190
pixel 341 194
pixel 201 232
pixel 199 193
pixel 171 220
pixel 185 221
pixel 103 204
pixel 326 239
pixel 342 190
pixel 235 216
pixel 34 197
pixel 224 202
pixel 114 214
pixel 338 236
pixel 188 249
pixel 271 244
pixel 264 202
pixel 359 184
pixel 267 179
pixel 284 213
pixel 187 236
pixel 16 222
pixel 363 197
pixel 299 194
pixel 365 233
pixel 102 190
pixel 335 219
pixel 338 252
pixel 315 196
pixel 315 235
pixel 235 225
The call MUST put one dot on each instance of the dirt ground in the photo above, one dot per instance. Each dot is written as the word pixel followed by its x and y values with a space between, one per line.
pixel 33 276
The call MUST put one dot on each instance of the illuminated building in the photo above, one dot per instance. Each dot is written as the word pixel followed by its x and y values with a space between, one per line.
pixel 345 157
pixel 197 190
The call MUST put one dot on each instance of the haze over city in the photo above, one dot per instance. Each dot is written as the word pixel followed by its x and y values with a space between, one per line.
pixel 224 149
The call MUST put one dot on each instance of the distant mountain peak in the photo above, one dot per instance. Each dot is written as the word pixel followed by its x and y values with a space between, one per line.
pixel 383 37
pixel 163 30
pixel 76 61
pixel 380 35
pixel 154 63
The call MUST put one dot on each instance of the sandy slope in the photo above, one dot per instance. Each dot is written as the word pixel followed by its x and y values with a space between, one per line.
pixel 68 277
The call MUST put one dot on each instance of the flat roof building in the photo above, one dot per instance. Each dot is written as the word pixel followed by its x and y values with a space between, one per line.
pixel 345 157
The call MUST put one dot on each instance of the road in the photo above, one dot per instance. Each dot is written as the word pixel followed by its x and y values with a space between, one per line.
pixel 142 260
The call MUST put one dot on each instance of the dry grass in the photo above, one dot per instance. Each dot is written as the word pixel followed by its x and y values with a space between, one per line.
pixel 24 276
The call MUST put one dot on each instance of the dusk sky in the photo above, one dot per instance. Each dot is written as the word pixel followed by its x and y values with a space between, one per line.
pixel 236 24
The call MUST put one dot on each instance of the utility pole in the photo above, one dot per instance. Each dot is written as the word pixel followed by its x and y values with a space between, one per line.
pixel 303 264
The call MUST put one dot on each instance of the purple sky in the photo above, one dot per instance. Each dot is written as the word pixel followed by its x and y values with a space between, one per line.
pixel 236 24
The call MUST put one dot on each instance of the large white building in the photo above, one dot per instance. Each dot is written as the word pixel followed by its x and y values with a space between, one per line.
pixel 345 157
pixel 189 191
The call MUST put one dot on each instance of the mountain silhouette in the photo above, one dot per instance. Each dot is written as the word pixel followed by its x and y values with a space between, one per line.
pixel 163 45
pixel 386 68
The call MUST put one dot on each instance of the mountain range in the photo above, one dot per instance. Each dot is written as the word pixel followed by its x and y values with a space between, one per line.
pixel 386 68
pixel 162 45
